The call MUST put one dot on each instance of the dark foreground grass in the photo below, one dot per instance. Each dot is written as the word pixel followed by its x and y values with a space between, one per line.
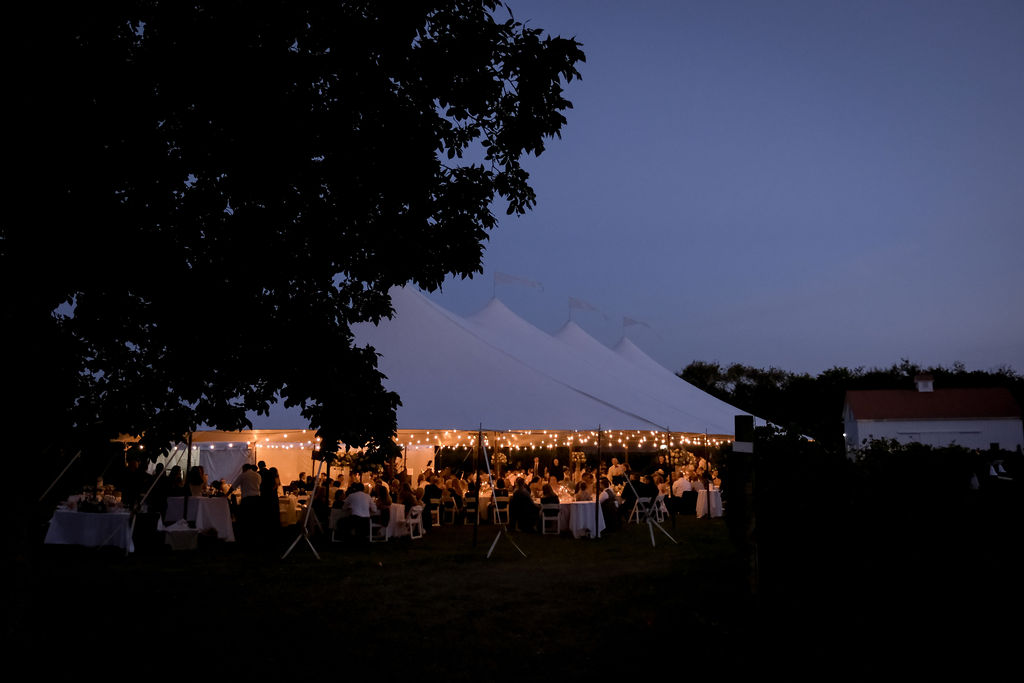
pixel 434 607
pixel 909 591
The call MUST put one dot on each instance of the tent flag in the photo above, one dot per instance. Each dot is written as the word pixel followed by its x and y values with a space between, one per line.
pixel 506 279
pixel 581 305
pixel 629 322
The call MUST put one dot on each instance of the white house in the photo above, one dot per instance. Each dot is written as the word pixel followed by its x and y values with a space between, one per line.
pixel 973 418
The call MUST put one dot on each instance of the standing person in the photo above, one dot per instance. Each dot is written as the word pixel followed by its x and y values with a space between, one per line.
pixel 269 502
pixel 557 470
pixel 249 508
pixel 617 472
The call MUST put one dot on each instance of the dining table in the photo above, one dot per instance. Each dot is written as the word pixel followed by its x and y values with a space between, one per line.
pixel 578 518
pixel 92 529
pixel 714 497
pixel 289 510
pixel 207 513
pixel 396 522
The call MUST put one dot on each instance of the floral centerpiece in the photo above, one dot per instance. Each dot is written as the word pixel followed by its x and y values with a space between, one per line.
pixel 577 457
pixel 99 498
pixel 679 457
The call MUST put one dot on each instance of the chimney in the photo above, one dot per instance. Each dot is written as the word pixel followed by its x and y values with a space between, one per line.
pixel 924 383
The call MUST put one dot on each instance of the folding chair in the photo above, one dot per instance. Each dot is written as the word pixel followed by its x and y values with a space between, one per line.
pixel 549 518
pixel 435 511
pixel 448 511
pixel 641 509
pixel 501 509
pixel 379 532
pixel 414 520
pixel 469 510
pixel 659 511
pixel 334 523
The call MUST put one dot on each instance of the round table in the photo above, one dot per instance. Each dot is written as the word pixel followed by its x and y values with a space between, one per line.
pixel 702 503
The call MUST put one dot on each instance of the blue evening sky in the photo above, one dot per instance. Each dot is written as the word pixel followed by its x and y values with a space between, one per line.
pixel 794 184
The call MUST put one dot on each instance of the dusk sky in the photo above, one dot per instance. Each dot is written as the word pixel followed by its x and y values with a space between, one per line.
pixel 790 184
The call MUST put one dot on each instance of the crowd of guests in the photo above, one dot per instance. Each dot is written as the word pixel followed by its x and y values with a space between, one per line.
pixel 455 496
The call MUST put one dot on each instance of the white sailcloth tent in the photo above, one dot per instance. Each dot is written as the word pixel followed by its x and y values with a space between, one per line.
pixel 496 370
pixel 452 374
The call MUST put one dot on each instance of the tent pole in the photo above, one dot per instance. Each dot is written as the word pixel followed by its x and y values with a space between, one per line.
pixel 188 486
pixel 597 496
pixel 476 483
pixel 70 462
pixel 671 481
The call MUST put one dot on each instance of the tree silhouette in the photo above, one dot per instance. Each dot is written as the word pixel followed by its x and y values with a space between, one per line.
pixel 208 195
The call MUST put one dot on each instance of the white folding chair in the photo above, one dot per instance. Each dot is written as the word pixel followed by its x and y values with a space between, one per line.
pixel 659 510
pixel 549 518
pixel 379 532
pixel 414 520
pixel 435 511
pixel 641 509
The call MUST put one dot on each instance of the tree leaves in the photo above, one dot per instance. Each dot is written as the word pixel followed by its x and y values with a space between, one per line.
pixel 224 188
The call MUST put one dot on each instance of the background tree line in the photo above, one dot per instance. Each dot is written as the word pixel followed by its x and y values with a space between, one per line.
pixel 813 406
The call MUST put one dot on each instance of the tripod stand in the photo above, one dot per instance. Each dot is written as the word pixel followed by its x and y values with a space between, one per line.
pixel 502 526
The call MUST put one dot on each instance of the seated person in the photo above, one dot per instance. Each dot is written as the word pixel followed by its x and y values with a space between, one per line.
pixel 448 504
pixel 455 490
pixel 382 499
pixel 431 493
pixel 582 492
pixel 607 493
pixel 297 484
pixel 357 510
pixel 522 513
pixel 547 496
pixel 609 505
pixel 406 497
pixel 499 491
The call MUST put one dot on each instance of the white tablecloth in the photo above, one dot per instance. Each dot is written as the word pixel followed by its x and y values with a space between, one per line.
pixel 397 525
pixel 207 513
pixel 396 522
pixel 289 510
pixel 716 503
pixel 69 527
pixel 579 518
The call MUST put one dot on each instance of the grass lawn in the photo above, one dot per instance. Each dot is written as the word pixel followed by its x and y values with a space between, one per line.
pixel 913 590
pixel 434 606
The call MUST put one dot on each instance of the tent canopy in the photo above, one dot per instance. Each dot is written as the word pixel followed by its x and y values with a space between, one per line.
pixel 496 370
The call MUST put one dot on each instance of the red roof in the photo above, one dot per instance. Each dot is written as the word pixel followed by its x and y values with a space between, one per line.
pixel 948 404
